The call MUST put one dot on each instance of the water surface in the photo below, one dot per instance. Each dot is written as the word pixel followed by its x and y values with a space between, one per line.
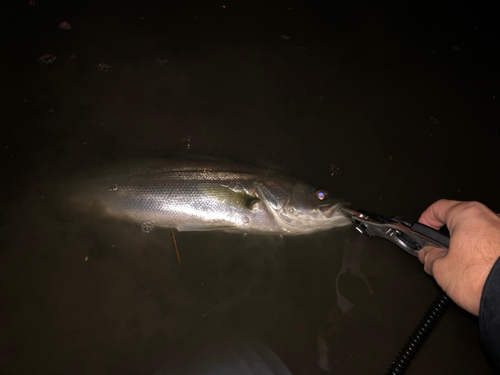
pixel 400 97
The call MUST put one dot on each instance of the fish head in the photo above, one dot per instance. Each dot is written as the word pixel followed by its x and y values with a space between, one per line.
pixel 299 208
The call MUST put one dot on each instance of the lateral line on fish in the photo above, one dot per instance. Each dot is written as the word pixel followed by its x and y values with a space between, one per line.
pixel 179 174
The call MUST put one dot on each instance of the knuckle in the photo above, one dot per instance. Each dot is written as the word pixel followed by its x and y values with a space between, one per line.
pixel 466 211
pixel 473 207
pixel 441 201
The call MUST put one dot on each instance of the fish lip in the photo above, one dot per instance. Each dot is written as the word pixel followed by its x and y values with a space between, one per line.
pixel 330 209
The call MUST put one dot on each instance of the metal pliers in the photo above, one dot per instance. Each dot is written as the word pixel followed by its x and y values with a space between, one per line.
pixel 409 235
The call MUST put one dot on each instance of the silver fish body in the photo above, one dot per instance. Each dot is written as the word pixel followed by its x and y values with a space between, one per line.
pixel 207 195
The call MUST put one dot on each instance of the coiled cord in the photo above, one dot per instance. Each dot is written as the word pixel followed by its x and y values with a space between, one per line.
pixel 418 335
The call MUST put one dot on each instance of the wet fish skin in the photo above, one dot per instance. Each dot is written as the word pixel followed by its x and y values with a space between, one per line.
pixel 206 195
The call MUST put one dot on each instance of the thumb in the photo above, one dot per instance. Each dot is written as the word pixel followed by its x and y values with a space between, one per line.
pixel 428 255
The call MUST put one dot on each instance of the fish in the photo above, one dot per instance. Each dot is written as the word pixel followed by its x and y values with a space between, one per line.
pixel 207 194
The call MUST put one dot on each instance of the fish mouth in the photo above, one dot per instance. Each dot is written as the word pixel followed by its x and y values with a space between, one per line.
pixel 336 217
pixel 327 216
pixel 329 210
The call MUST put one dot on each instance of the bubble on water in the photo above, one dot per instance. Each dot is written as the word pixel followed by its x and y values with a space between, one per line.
pixel 187 141
pixel 334 169
pixel 245 234
pixel 281 236
pixel 245 219
pixel 113 187
pixel 147 226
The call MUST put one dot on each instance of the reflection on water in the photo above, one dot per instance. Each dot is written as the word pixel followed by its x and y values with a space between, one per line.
pixel 103 286
pixel 355 85
pixel 226 357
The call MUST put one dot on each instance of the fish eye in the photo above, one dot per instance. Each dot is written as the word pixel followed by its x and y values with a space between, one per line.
pixel 320 194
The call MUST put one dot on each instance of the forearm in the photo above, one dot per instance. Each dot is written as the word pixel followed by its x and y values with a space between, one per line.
pixel 489 314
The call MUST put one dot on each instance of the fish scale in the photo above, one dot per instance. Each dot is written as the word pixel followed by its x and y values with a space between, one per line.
pixel 202 195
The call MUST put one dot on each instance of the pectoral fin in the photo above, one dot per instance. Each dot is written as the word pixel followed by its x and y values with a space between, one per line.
pixel 253 203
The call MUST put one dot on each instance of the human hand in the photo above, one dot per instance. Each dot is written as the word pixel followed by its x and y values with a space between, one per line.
pixel 474 248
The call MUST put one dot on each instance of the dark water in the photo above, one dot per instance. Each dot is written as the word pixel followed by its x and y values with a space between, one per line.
pixel 400 97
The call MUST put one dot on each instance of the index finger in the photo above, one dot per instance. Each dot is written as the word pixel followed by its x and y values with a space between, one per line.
pixel 436 215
